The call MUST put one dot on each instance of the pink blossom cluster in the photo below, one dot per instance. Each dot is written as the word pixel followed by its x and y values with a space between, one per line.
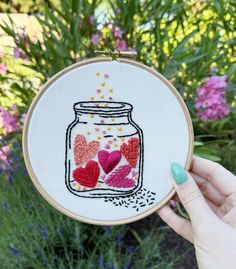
pixel 117 32
pixel 8 120
pixel 4 153
pixel 21 37
pixel 3 67
pixel 211 102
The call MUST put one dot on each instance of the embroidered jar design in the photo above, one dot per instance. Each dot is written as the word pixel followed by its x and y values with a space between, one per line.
pixel 104 150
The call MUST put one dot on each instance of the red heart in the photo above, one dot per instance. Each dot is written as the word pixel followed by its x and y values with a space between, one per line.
pixel 131 151
pixel 87 176
pixel 108 160
pixel 83 151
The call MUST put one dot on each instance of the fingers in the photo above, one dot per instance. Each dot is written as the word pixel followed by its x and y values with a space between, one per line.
pixel 180 225
pixel 230 217
pixel 217 175
pixel 208 190
pixel 190 195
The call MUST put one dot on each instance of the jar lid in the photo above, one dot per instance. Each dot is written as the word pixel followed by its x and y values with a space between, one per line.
pixel 101 107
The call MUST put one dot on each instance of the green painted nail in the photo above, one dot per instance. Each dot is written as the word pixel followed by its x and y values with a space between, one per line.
pixel 178 173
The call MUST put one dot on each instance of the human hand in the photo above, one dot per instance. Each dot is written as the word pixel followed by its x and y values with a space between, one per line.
pixel 208 193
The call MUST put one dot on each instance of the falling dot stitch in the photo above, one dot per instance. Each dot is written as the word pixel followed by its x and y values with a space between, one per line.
pixel 88 133
pixel 119 129
pixel 99 137
pixel 98 73
pixel 104 132
pixel 110 90
pixel 115 145
pixel 110 98
pixel 101 120
pixel 102 96
pixel 91 116
pixel 113 119
pixel 109 129
pixel 92 98
pixel 106 76
pixel 103 84
pixel 106 105
pixel 97 129
pixel 98 91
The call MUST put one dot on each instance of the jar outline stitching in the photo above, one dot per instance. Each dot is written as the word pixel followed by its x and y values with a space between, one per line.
pixel 119 193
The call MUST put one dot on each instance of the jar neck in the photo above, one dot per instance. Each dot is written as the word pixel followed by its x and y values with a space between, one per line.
pixel 103 119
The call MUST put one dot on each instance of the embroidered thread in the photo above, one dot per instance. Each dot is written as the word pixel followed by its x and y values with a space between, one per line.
pixel 87 176
pixel 83 151
pixel 131 151
pixel 119 178
pixel 109 161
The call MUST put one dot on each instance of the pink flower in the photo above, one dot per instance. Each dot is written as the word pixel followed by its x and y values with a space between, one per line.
pixel 117 31
pixel 216 82
pixel 22 118
pixel 4 152
pixel 1 53
pixel 95 38
pixel 19 54
pixel 211 101
pixel 121 45
pixel 173 203
pixel 106 24
pixel 8 121
pixel 91 19
pixel 21 37
pixel 3 69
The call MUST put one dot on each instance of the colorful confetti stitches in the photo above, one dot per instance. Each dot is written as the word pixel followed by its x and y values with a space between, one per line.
pixel 102 90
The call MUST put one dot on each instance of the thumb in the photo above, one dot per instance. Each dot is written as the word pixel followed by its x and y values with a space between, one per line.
pixel 189 194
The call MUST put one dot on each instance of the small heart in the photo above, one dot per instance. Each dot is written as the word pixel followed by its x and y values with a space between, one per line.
pixel 118 178
pixel 134 173
pixel 87 176
pixel 131 151
pixel 83 151
pixel 108 161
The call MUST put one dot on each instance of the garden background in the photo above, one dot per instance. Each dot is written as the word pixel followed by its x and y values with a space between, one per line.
pixel 192 43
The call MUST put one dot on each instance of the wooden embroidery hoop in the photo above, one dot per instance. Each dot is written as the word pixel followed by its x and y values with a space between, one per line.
pixel 118 57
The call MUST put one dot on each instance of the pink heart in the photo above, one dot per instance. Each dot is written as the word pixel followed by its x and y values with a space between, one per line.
pixel 118 178
pixel 134 173
pixel 83 151
pixel 109 161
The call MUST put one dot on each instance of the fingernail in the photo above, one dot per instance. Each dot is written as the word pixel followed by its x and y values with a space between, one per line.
pixel 178 173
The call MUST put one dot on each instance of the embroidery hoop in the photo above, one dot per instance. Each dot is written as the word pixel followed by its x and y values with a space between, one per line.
pixel 36 182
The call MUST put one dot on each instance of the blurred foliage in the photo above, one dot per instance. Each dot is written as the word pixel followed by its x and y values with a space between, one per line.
pixel 35 235
pixel 183 40
pixel 24 6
